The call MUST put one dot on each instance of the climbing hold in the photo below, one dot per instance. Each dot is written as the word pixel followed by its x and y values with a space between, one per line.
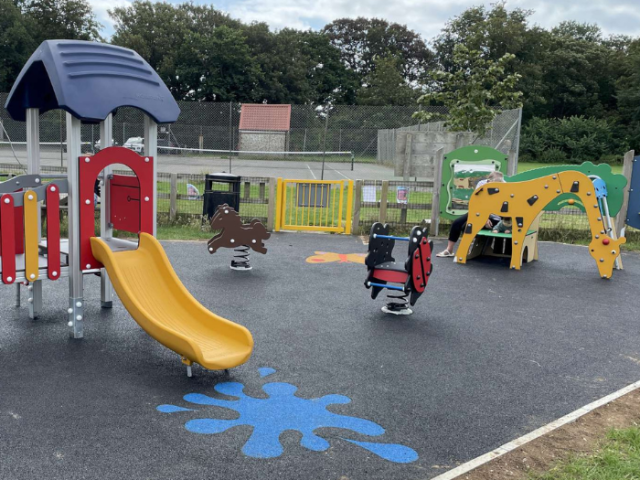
pixel 571 201
pixel 605 241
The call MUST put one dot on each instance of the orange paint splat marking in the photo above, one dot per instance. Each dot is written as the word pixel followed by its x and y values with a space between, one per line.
pixel 330 257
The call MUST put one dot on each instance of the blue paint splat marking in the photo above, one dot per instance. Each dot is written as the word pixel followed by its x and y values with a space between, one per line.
pixel 283 411
pixel 389 451
pixel 172 409
pixel 266 371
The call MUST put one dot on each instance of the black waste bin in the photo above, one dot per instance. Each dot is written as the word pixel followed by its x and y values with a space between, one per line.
pixel 220 188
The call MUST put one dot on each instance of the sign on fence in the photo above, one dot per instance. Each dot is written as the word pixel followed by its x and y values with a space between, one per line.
pixel 369 193
pixel 402 195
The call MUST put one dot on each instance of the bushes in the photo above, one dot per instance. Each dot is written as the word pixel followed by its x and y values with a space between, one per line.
pixel 572 140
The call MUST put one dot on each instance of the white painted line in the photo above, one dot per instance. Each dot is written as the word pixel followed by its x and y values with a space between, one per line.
pixel 314 175
pixel 339 173
pixel 518 442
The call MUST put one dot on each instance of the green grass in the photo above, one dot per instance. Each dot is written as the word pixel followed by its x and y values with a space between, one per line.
pixel 617 459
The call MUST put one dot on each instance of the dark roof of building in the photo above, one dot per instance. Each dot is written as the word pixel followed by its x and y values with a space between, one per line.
pixel 89 80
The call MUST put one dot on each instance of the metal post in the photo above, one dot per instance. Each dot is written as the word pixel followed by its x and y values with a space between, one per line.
pixel 151 150
pixel 437 189
pixel 230 133
pixel 324 145
pixel 33 168
pixel 33 141
pixel 35 299
pixel 61 143
pixel 76 303
pixel 106 228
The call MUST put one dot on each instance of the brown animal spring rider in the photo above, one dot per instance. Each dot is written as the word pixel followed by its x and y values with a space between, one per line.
pixel 234 234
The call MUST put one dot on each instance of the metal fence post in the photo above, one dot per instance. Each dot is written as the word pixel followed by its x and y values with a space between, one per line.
pixel 627 168
pixel 357 202
pixel 406 170
pixel 383 201
pixel 512 163
pixel 173 197
pixel 271 206
pixel 435 198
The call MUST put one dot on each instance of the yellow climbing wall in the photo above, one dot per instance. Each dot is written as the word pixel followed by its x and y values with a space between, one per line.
pixel 524 201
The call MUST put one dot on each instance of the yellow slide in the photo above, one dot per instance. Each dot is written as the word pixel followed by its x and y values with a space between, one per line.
pixel 154 296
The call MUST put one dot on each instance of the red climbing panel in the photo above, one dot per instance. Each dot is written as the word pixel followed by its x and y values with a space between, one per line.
pixel 89 169
pixel 53 232
pixel 7 239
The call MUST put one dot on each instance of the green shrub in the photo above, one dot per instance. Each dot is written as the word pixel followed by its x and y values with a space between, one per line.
pixel 571 140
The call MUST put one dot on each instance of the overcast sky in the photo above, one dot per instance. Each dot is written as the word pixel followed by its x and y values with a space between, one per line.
pixel 424 16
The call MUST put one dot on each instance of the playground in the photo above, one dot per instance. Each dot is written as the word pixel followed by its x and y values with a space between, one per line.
pixel 292 368
pixel 488 355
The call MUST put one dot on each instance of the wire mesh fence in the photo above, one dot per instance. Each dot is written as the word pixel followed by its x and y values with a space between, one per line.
pixel 213 129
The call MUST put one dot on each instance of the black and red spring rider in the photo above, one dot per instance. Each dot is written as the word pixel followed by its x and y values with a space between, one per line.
pixel 409 278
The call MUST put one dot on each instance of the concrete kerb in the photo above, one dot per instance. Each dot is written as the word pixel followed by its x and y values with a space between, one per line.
pixel 518 442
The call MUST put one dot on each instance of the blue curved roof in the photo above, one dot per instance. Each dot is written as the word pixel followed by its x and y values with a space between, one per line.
pixel 89 80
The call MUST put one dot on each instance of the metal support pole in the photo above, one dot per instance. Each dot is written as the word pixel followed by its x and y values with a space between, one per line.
pixel 324 144
pixel 35 299
pixel 76 302
pixel 106 228
pixel 151 150
pixel 17 294
pixel 33 168
pixel 230 133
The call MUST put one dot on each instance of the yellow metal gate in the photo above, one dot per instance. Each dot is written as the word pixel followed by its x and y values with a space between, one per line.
pixel 315 205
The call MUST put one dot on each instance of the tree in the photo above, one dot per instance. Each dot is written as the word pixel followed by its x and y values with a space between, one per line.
pixel 628 88
pixel 474 92
pixel 16 43
pixel 159 31
pixel 298 67
pixel 385 85
pixel 362 40
pixel 62 19
pixel 216 67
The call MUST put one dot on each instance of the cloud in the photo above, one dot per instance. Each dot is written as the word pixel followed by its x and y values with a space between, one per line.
pixel 428 17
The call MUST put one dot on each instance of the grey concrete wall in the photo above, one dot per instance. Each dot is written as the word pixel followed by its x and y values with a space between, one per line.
pixel 420 161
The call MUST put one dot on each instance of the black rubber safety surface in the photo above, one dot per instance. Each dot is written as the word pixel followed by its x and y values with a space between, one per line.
pixel 489 354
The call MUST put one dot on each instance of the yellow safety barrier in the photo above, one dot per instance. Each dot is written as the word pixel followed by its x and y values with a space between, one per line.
pixel 31 222
pixel 314 205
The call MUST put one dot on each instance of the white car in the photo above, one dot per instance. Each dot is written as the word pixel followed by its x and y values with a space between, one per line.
pixel 135 143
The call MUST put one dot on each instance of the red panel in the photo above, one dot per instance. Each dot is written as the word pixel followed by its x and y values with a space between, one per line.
pixel 125 203
pixel 7 239
pixel 390 275
pixel 421 265
pixel 53 232
pixel 89 169
pixel 19 229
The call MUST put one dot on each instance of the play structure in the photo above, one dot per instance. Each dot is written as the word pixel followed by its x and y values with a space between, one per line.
pixel 234 234
pixel 412 275
pixel 524 202
pixel 90 81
